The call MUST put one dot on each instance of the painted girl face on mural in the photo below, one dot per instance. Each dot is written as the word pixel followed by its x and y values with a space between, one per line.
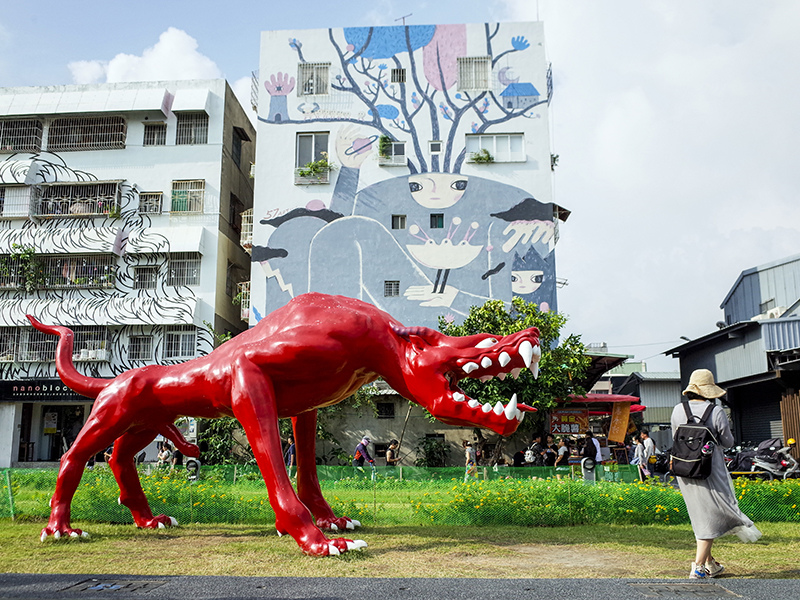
pixel 526 282
pixel 437 190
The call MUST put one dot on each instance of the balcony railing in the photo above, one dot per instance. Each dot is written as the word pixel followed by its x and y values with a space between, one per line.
pixel 246 237
pixel 100 198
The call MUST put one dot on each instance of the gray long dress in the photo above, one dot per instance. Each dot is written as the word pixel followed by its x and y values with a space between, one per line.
pixel 712 505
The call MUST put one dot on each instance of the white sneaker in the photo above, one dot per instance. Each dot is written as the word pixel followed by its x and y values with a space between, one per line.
pixel 698 572
pixel 713 568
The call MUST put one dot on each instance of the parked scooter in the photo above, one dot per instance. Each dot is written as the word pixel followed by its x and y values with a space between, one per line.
pixel 773 461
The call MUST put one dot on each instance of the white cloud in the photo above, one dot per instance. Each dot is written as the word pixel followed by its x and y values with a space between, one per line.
pixel 173 57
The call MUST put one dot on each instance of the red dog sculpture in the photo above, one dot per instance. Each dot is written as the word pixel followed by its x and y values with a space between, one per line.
pixel 315 351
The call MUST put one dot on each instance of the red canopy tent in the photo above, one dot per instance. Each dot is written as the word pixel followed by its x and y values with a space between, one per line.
pixel 603 399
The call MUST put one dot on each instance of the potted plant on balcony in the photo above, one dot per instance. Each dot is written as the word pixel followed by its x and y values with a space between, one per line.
pixel 482 156
pixel 317 169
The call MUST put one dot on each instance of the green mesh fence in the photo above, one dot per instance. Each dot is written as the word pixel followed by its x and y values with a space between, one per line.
pixel 398 495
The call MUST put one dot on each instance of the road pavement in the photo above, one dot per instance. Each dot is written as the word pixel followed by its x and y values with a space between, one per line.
pixel 126 587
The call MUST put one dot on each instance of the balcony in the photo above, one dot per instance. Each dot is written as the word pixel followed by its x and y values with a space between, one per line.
pixel 244 300
pixel 97 198
pixel 302 176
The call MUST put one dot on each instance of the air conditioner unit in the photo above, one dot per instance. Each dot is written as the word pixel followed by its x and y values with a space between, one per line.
pixel 774 313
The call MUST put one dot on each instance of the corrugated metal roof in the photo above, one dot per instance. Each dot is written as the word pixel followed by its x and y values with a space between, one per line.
pixel 750 271
pixel 781 334
pixel 659 375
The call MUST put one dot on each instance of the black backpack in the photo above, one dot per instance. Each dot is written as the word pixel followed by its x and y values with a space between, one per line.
pixel 693 446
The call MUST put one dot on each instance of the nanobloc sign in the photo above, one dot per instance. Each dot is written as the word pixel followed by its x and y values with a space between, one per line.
pixel 40 389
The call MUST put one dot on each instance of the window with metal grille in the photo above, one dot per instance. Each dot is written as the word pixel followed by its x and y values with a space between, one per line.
pixel 155 134
pixel 385 410
pixel 398 76
pixel 145 278
pixel 244 300
pixel 9 338
pixel 473 73
pixel 393 153
pixel 35 346
pixel 150 202
pixel 437 220
pixel 183 268
pixel 92 271
pixel 246 237
pixel 180 342
pixel 188 196
pixel 398 221
pixel 140 347
pixel 86 133
pixel 504 147
pixel 20 135
pixel 15 200
pixel 91 343
pixel 312 79
pixel 10 272
pixel 391 289
pixel 192 128
pixel 78 199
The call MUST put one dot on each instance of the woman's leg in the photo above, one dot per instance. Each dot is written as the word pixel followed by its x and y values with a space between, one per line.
pixel 703 552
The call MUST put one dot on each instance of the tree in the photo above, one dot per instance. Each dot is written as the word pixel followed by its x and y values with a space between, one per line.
pixel 562 366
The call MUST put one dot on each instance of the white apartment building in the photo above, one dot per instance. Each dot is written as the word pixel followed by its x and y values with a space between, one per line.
pixel 120 217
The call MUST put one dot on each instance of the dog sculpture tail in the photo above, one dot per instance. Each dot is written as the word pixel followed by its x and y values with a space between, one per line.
pixel 86 386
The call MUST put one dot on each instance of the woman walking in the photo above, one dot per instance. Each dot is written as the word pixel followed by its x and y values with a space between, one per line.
pixel 711 503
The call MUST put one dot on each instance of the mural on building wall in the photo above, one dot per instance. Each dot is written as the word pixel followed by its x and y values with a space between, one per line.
pixel 432 240
pixel 126 308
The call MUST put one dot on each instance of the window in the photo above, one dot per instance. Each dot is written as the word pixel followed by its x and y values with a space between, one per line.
pixel 78 199
pixel 473 73
pixel 398 221
pixel 150 202
pixel 183 268
pixel 188 196
pixel 398 75
pixel 385 410
pixel 391 289
pixel 155 134
pixel 435 147
pixel 140 347
pixel 192 128
pixel 393 153
pixel 60 272
pixel 235 211
pixel 311 147
pixel 239 136
pixel 10 272
pixel 86 133
pixel 504 147
pixel 35 346
pixel 437 220
pixel 145 278
pixel 15 200
pixel 180 342
pixel 312 79
pixel 765 306
pixel 20 135
pixel 234 275
pixel 9 337
pixel 92 343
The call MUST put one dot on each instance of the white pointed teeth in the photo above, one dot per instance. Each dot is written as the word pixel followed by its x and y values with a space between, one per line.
pixel 486 362
pixel 487 343
pixel 515 372
pixel 473 403
pixel 458 397
pixel 504 359
pixel 535 371
pixel 537 351
pixel 469 367
pixel 486 378
pixel 356 544
pixel 486 408
pixel 173 521
pixel 498 408
pixel 520 416
pixel 526 352
pixel 333 550
pixel 354 522
pixel 501 376
pixel 161 525
pixel 43 537
pixel 334 527
pixel 511 408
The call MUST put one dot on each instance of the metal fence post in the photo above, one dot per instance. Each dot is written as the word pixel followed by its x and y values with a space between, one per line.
pixel 10 493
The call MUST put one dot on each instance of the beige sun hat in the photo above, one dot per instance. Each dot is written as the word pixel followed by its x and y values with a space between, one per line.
pixel 702 383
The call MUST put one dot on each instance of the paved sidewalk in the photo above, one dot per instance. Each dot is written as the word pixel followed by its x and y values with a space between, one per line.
pixel 45 587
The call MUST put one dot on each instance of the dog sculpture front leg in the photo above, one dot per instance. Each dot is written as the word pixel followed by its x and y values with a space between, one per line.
pixel 253 402
pixel 305 435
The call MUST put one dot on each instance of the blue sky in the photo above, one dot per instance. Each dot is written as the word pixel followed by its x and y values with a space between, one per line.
pixel 676 123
